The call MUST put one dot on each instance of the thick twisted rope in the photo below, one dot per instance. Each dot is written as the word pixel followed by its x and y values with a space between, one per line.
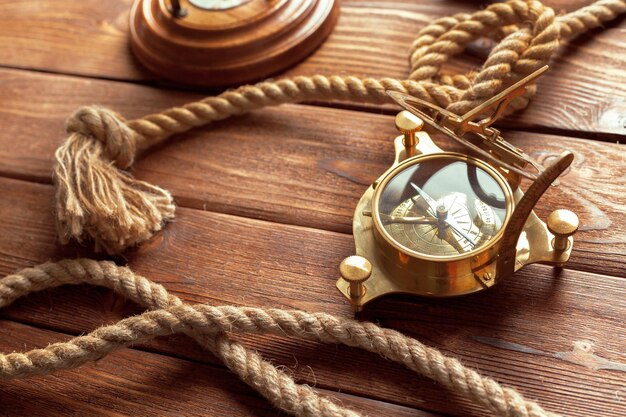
pixel 208 325
pixel 96 199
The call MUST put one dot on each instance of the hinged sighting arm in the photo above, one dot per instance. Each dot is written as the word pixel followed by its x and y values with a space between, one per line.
pixel 492 145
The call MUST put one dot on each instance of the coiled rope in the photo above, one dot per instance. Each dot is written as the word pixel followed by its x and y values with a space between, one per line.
pixel 209 326
pixel 97 200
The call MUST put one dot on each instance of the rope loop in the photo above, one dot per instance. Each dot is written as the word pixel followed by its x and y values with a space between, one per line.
pixel 533 35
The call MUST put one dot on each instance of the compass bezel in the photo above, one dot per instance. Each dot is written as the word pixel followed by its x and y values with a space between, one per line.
pixel 382 233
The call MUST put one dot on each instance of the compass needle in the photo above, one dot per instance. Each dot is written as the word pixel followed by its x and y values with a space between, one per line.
pixel 458 229
pixel 432 204
pixel 387 218
pixel 463 234
pixel 449 238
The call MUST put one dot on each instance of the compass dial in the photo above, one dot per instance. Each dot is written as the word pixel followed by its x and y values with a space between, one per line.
pixel 479 224
pixel 442 206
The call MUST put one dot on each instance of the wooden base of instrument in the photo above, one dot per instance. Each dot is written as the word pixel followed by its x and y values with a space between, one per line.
pixel 231 46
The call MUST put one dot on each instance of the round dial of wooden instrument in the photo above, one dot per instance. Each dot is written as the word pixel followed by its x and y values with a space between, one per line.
pixel 216 43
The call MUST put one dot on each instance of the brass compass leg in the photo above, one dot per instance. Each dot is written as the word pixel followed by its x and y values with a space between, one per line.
pixel 355 270
pixel 408 124
pixel 562 224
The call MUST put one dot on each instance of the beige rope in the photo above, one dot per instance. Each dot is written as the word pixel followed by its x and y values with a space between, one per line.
pixel 95 199
pixel 208 324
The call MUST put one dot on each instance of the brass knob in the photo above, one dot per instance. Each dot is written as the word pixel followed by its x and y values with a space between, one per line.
pixel 408 124
pixel 355 270
pixel 562 224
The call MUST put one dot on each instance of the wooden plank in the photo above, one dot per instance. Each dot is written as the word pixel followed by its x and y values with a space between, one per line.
pixel 139 383
pixel 557 336
pixel 35 107
pixel 584 91
pixel 38 37
pixel 86 38
pixel 283 165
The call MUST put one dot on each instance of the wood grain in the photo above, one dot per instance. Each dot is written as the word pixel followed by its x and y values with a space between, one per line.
pixel 584 92
pixel 139 383
pixel 264 218
pixel 283 165
pixel 557 335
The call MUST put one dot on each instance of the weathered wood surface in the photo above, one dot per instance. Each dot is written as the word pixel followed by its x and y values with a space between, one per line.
pixel 265 209
pixel 558 337
pixel 311 174
pixel 140 383
pixel 584 92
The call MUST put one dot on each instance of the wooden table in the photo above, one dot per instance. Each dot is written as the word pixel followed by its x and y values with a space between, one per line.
pixel 264 217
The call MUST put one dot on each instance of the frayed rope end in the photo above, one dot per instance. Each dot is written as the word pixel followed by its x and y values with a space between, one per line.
pixel 96 200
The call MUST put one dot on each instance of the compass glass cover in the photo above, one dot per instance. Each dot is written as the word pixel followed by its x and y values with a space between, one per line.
pixel 444 206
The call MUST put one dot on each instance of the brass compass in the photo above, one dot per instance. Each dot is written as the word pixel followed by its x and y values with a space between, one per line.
pixel 443 224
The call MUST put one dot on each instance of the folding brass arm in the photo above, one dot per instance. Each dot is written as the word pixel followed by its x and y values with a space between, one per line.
pixel 492 144
pixel 497 104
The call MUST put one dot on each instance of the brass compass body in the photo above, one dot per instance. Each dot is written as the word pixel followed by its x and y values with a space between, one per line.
pixel 443 224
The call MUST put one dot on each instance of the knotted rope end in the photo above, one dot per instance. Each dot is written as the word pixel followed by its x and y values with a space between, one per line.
pixel 95 199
